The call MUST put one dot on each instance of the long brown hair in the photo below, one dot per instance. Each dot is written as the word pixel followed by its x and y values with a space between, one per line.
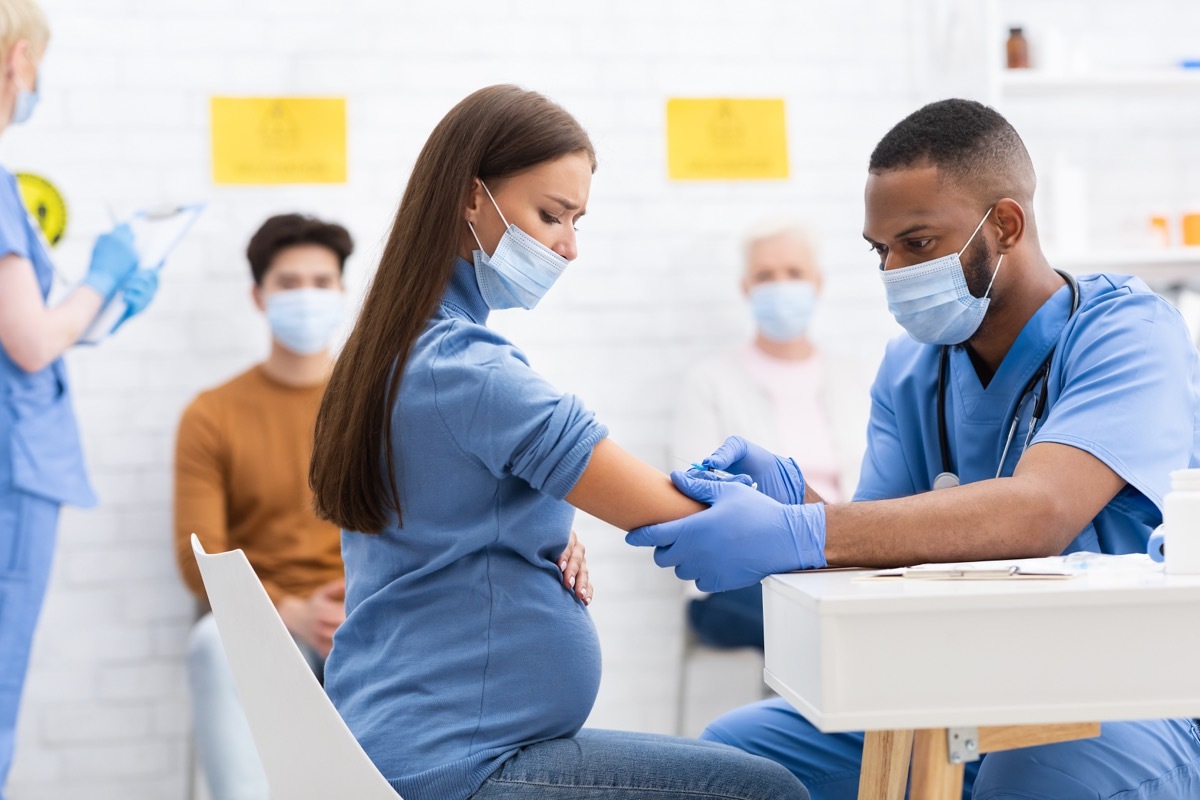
pixel 494 133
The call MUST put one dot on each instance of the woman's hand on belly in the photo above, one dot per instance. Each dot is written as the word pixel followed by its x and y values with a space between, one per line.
pixel 574 570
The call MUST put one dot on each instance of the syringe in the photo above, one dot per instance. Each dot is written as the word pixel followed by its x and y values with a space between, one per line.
pixel 719 473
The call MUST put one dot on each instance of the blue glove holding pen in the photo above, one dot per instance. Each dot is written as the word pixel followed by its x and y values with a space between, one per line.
pixel 113 261
pixel 776 477
pixel 137 292
pixel 741 539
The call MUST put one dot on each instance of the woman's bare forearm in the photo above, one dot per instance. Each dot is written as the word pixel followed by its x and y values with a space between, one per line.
pixel 627 492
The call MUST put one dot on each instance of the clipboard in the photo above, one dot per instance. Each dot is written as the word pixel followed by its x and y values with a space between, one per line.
pixel 1018 569
pixel 156 232
pixel 1073 565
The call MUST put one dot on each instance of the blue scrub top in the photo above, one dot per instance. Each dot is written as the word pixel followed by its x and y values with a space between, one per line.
pixel 40 452
pixel 1124 386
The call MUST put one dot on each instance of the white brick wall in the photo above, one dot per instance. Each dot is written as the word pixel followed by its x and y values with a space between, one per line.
pixel 124 121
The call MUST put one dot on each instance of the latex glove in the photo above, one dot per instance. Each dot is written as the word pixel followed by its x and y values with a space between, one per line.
pixel 137 292
pixel 573 566
pixel 741 539
pixel 779 478
pixel 113 260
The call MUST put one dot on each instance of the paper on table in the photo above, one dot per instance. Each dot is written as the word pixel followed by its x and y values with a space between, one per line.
pixel 156 232
pixel 1016 569
pixel 1054 567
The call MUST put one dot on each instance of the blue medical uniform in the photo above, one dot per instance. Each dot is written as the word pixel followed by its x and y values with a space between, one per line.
pixel 41 467
pixel 1124 386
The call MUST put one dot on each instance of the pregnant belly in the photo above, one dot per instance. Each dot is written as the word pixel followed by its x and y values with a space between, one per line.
pixel 543 672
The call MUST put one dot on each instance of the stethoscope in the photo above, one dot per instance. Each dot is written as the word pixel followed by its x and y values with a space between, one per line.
pixel 947 478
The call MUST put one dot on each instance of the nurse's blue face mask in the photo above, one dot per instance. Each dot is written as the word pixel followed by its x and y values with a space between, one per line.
pixel 519 271
pixel 932 301
pixel 27 100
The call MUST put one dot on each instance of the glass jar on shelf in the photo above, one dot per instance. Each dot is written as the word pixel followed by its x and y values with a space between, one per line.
pixel 1017 49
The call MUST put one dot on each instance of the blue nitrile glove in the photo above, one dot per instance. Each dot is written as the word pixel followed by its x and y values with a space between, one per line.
pixel 776 477
pixel 113 260
pixel 137 292
pixel 741 539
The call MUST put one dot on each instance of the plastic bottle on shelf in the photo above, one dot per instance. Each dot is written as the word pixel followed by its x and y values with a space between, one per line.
pixel 1017 49
pixel 1190 226
pixel 1069 204
pixel 1159 230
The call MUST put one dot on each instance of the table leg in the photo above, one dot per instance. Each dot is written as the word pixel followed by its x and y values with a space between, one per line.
pixel 885 765
pixel 933 776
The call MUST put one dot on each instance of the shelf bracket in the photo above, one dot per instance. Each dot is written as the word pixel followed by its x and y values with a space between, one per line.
pixel 962 744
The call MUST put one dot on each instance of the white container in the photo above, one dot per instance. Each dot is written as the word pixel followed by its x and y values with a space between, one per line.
pixel 1181 523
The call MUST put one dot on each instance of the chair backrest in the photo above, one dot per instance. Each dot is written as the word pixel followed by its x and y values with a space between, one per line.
pixel 306 749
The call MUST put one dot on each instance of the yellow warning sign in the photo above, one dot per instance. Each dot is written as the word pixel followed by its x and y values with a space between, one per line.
pixel 726 139
pixel 261 140
pixel 45 204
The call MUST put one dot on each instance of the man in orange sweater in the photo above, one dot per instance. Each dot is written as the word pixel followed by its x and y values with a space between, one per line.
pixel 241 481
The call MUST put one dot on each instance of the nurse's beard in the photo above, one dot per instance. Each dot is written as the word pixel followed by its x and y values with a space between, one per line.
pixel 978 266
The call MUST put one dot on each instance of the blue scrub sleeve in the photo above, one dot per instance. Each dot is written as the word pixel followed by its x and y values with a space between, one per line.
pixel 14 231
pixel 1127 394
pixel 498 410
pixel 885 474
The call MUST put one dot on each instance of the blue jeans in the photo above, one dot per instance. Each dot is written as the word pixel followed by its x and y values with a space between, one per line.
pixel 613 765
pixel 1151 760
pixel 729 619
pixel 224 746
pixel 27 531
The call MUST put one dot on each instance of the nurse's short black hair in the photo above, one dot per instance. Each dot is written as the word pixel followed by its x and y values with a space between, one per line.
pixel 289 230
pixel 969 143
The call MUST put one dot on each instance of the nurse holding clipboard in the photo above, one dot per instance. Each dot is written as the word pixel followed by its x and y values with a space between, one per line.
pixel 41 464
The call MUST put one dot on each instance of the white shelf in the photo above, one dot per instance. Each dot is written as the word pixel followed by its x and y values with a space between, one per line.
pixel 1032 81
pixel 1166 266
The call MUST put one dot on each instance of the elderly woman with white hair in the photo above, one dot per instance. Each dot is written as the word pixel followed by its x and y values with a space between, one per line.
pixel 776 388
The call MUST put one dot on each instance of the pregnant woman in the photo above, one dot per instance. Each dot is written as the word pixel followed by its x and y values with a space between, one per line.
pixel 464 667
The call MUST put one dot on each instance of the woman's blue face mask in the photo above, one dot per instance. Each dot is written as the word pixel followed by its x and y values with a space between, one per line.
pixel 932 301
pixel 519 271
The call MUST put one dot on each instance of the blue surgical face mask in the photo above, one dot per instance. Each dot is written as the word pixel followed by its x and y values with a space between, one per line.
pixel 931 300
pixel 521 269
pixel 26 101
pixel 782 309
pixel 304 320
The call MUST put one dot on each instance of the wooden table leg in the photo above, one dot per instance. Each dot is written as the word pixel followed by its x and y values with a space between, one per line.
pixel 885 765
pixel 933 776
pixel 886 756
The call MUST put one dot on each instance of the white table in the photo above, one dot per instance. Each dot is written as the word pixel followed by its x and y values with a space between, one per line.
pixel 952 660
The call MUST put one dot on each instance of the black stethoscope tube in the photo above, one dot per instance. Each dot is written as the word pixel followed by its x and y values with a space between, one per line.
pixel 948 476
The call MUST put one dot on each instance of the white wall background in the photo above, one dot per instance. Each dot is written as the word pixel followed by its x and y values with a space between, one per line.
pixel 124 121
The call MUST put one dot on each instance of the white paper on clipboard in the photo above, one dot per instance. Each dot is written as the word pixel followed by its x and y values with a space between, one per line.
pixel 156 232
pixel 1072 565
pixel 1016 569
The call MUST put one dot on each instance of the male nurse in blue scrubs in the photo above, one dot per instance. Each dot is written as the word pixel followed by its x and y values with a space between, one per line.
pixel 41 465
pixel 1107 367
